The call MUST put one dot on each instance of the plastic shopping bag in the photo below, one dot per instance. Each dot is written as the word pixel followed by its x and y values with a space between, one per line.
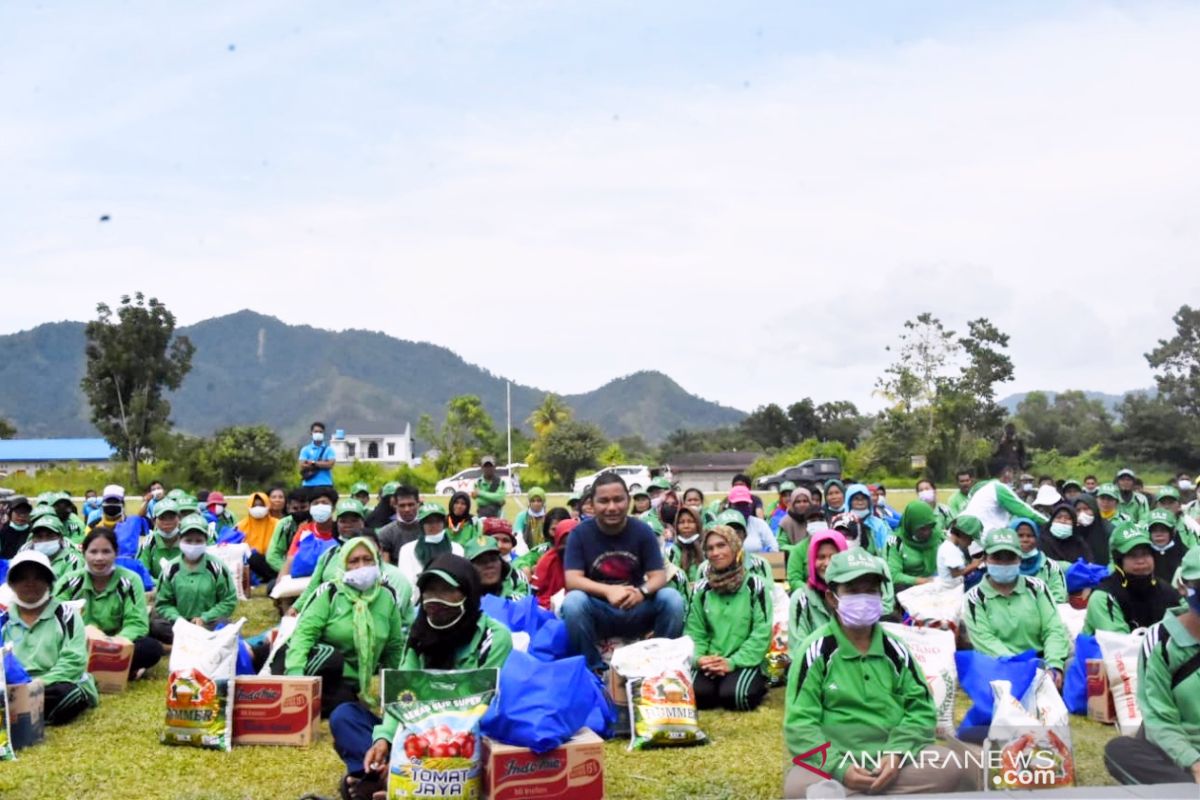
pixel 976 673
pixel 1029 740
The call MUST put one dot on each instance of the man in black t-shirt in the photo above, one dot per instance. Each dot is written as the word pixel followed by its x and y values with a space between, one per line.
pixel 615 577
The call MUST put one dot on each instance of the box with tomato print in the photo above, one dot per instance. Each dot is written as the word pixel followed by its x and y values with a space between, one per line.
pixel 574 771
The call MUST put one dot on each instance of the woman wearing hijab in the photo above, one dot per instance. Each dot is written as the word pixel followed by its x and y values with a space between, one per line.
pixel 729 620
pixel 549 577
pixel 527 563
pixel 808 609
pixel 460 525
pixel 912 552
pixel 259 525
pixel 1061 541
pixel 1034 563
pixel 415 556
pixel 1131 597
pixel 1090 525
pixel 496 575
pixel 529 523
pixel 349 630
pixel 835 498
pixel 687 551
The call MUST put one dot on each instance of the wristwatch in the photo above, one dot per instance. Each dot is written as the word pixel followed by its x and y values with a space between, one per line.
pixel 645 592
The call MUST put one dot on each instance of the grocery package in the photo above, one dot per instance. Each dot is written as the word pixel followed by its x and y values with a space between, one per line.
pixel 234 557
pixel 1029 740
pixel 777 661
pixel 199 686
pixel 437 751
pixel 933 649
pixel 1072 618
pixel 933 605
pixel 1120 651
pixel 662 702
pixel 283 632
pixel 572 771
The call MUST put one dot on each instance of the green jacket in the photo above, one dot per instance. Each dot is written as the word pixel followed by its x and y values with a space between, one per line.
pixel 204 590
pixel 862 704
pixel 530 559
pixel 513 585
pixel 1052 574
pixel 806 612
pixel 54 649
pixel 735 626
pixel 1168 691
pixel 1104 611
pixel 120 610
pixel 489 647
pixel 1136 507
pixel 1004 625
pixel 329 618
pixel 797 563
pixel 469 532
pixel 908 559
pixel 485 496
pixel 281 540
pixel 76 530
pixel 66 561
pixel 153 550
pixel 957 502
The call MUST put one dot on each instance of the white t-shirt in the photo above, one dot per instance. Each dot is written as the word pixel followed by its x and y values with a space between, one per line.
pixel 949 556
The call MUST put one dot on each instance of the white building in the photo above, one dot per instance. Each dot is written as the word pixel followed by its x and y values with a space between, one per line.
pixel 389 449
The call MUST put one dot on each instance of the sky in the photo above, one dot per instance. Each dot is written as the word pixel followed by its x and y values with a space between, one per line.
pixel 750 197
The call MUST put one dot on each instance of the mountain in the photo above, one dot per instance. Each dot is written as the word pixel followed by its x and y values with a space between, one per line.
pixel 250 368
pixel 1111 401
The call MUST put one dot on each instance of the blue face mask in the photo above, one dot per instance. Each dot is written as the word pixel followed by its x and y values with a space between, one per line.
pixel 1004 573
pixel 1193 599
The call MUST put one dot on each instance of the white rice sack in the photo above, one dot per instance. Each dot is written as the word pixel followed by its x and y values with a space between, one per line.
pixel 287 586
pixel 1120 652
pixel 200 686
pixel 931 604
pixel 283 632
pixel 933 649
pixel 234 557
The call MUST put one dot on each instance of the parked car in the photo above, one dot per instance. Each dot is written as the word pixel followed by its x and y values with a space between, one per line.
pixel 637 476
pixel 465 481
pixel 815 470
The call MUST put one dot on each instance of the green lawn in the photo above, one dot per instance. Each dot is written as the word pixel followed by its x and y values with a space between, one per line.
pixel 113 752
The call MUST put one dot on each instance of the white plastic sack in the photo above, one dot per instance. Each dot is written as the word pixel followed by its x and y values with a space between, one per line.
pixel 287 586
pixel 200 686
pixel 933 605
pixel 234 557
pixel 283 632
pixel 1120 652
pixel 1072 618
pixel 661 697
pixel 933 649
pixel 1029 741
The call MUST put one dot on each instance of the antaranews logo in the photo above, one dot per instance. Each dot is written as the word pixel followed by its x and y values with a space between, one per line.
pixel 823 749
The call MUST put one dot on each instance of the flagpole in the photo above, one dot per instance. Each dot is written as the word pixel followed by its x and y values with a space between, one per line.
pixel 508 427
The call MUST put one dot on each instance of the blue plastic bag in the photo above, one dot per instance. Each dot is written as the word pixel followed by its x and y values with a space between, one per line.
pixel 232 536
pixel 14 670
pixel 550 643
pixel 3 570
pixel 133 565
pixel 1075 681
pixel 308 553
pixel 517 615
pixel 245 656
pixel 1084 575
pixel 532 709
pixel 975 674
pixel 129 532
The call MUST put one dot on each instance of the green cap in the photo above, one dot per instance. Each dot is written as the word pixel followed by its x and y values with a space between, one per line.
pixel 194 523
pixel 176 495
pixel 661 483
pixel 1126 537
pixel 537 491
pixel 43 499
pixel 480 545
pixel 1161 516
pixel 731 517
pixel 639 492
pixel 1189 568
pixel 1108 490
pixel 360 488
pixel 1000 540
pixel 1071 482
pixel 850 564
pixel 787 486
pixel 42 511
pixel 430 510
pixel 188 505
pixel 58 497
pixel 438 573
pixel 390 488
pixel 348 505
pixel 968 526
pixel 49 521
pixel 1126 473
pixel 1168 493
pixel 165 506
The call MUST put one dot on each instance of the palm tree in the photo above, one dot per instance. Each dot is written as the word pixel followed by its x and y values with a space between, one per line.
pixel 550 413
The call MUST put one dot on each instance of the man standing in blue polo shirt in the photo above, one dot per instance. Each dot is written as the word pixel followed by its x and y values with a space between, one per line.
pixel 317 458
pixel 615 577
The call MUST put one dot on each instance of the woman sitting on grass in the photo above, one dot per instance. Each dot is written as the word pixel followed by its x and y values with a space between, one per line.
pixel 195 586
pixel 47 535
pixel 116 601
pixel 729 620
pixel 809 609
pixel 48 639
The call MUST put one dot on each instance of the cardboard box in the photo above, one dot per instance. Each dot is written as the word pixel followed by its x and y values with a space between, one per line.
pixel 778 562
pixel 276 710
pixel 574 771
pixel 1100 706
pixel 26 713
pixel 109 658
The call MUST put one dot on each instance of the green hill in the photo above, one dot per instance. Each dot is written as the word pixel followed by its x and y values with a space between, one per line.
pixel 250 368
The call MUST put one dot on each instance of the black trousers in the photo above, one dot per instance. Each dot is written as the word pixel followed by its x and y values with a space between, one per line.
pixel 740 690
pixel 260 567
pixel 323 660
pixel 147 651
pixel 64 702
pixel 1136 760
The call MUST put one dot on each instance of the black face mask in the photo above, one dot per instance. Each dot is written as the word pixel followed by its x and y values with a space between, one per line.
pixel 300 517
pixel 112 511
pixel 667 512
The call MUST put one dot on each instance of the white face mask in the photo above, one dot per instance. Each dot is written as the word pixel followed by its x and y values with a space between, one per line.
pixel 362 578
pixel 48 549
pixel 436 538
pixel 1186 486
pixel 45 598
pixel 460 605
pixel 192 552
pixel 157 494
pixel 687 539
pixel 218 509
pixel 1086 518
pixel 321 512
pixel 928 495
pixel 318 437
pixel 537 514
pixel 258 512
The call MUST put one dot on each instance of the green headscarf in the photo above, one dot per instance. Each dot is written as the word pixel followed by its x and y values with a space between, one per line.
pixel 365 635
pixel 918 514
pixel 426 552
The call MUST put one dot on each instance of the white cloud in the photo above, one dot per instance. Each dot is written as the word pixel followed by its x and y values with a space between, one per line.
pixel 759 243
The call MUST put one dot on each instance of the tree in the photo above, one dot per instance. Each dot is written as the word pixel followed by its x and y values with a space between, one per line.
pixel 838 421
pixel 465 433
pixel 612 455
pixel 805 422
pixel 1154 430
pixel 549 413
pixel 7 429
pixel 249 454
pixel 1071 424
pixel 130 362
pixel 570 447
pixel 769 426
pixel 1177 361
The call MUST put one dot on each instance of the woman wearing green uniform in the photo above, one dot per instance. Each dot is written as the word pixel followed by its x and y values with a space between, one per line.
pixel 687 551
pixel 163 544
pixel 116 601
pixel 1035 564
pixel 1131 597
pixel 1007 613
pixel 348 631
pixel 858 706
pixel 754 564
pixel 808 608
pixel 47 535
pixel 195 586
pixel 47 637
pixel 1166 749
pixel 729 620
pixel 496 576
pixel 911 554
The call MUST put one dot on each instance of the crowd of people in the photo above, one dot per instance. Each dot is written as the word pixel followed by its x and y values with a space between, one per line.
pixel 393 582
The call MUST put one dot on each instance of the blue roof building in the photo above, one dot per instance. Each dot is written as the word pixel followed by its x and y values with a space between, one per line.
pixel 28 455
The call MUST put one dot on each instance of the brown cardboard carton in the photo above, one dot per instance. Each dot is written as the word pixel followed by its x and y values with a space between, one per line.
pixel 26 707
pixel 109 658
pixel 574 771
pixel 1100 706
pixel 276 710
